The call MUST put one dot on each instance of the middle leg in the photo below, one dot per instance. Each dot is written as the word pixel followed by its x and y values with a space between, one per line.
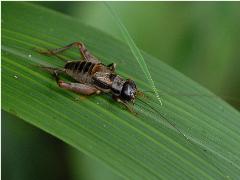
pixel 112 66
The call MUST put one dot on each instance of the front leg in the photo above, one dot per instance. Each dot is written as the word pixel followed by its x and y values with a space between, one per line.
pixel 127 105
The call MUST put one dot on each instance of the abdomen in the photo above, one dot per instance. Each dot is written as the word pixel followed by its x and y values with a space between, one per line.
pixel 81 71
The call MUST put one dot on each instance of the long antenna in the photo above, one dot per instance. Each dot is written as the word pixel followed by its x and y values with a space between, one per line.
pixel 187 139
pixel 169 122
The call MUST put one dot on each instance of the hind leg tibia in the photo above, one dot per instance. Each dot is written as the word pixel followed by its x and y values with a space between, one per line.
pixel 83 51
pixel 51 70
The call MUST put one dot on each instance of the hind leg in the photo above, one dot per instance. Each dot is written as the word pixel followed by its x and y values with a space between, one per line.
pixel 83 51
pixel 75 87
pixel 52 70
pixel 48 53
pixel 78 88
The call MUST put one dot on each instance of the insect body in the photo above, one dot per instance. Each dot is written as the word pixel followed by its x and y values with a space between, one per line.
pixel 93 77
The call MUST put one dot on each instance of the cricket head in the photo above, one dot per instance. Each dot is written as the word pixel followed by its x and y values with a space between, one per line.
pixel 129 90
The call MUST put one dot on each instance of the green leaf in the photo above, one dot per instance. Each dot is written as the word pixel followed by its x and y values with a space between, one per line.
pixel 135 147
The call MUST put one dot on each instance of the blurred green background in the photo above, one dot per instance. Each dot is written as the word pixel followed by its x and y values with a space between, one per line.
pixel 200 39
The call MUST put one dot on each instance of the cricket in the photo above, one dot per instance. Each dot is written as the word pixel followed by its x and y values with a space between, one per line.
pixel 93 77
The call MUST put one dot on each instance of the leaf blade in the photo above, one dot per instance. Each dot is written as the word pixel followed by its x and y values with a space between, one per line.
pixel 105 131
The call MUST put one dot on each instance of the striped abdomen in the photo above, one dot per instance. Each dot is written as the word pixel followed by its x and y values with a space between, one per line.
pixel 80 70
